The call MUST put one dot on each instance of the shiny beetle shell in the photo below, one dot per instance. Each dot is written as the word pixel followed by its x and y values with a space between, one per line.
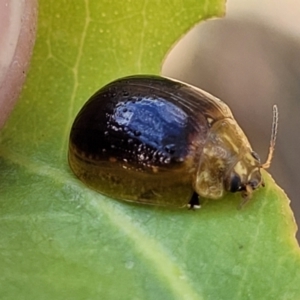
pixel 159 141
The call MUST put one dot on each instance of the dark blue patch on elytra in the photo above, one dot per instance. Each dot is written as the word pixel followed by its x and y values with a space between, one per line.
pixel 155 122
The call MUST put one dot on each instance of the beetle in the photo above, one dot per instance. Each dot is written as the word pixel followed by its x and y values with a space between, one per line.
pixel 155 140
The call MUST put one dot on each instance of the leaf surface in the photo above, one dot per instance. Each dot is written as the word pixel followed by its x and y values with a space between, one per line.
pixel 60 240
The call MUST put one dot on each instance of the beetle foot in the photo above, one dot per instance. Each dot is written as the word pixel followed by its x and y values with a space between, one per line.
pixel 194 202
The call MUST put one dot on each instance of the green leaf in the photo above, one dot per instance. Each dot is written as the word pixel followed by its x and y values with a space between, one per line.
pixel 60 240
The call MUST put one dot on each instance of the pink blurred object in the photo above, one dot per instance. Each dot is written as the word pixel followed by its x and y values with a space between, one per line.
pixel 17 36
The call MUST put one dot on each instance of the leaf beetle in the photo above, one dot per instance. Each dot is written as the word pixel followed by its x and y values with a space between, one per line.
pixel 155 140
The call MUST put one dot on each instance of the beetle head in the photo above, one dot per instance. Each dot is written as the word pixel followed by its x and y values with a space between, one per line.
pixel 245 176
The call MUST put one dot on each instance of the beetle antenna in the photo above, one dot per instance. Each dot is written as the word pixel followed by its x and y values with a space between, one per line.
pixel 267 164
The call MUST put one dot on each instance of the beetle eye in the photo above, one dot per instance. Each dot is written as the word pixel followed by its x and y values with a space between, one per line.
pixel 256 156
pixel 254 184
pixel 235 184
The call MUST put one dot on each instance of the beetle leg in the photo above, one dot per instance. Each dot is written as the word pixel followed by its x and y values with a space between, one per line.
pixel 246 194
pixel 194 202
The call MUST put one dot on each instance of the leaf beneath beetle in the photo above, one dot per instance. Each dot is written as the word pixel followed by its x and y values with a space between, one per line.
pixel 60 240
